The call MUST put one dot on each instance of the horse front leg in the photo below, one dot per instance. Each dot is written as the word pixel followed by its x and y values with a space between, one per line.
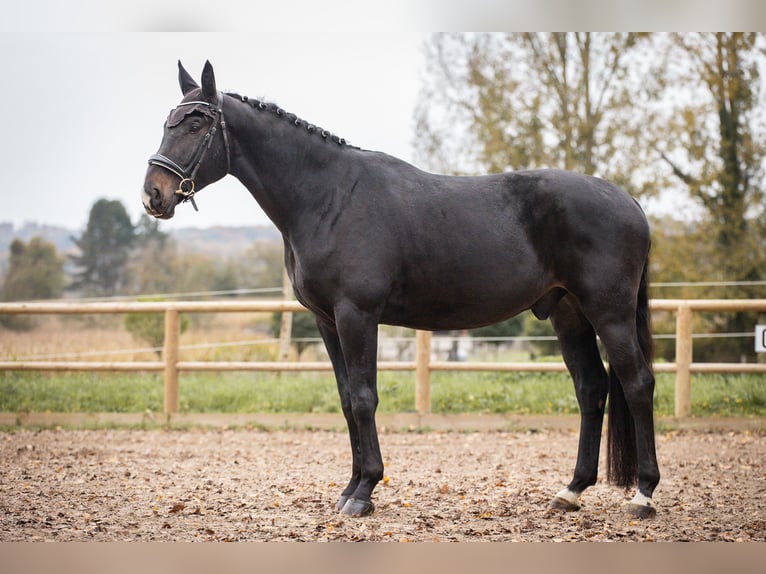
pixel 358 336
pixel 332 344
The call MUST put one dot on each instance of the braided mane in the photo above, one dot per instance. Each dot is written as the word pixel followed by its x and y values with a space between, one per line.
pixel 292 118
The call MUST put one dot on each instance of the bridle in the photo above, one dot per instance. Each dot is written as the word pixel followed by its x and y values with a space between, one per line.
pixel 188 172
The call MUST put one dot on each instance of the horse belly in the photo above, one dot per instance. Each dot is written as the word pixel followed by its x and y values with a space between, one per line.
pixel 465 296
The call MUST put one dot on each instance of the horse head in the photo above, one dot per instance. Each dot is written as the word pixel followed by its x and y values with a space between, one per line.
pixel 194 151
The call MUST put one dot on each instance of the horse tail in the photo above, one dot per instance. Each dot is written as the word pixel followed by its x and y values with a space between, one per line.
pixel 622 463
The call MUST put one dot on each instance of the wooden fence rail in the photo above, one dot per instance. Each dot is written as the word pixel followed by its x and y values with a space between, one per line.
pixel 423 365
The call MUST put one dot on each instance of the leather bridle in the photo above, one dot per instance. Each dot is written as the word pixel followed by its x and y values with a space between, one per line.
pixel 188 172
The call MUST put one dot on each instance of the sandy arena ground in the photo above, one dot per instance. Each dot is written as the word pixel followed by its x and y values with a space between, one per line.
pixel 250 485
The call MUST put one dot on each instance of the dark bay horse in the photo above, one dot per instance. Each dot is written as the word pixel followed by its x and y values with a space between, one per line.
pixel 370 239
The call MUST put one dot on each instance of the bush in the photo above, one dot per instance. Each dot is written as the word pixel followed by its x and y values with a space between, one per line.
pixel 150 328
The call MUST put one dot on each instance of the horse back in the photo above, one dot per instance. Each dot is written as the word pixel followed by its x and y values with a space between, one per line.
pixel 440 252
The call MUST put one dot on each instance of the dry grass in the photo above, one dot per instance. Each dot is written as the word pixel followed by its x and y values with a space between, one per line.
pixel 221 337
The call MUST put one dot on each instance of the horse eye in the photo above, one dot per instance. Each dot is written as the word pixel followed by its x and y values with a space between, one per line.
pixel 195 126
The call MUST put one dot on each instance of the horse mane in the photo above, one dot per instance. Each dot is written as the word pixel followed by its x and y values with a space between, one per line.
pixel 273 108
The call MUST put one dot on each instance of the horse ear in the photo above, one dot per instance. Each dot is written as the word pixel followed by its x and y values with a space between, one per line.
pixel 185 80
pixel 209 92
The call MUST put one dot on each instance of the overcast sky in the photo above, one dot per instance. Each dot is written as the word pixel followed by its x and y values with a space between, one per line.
pixel 86 110
pixel 86 84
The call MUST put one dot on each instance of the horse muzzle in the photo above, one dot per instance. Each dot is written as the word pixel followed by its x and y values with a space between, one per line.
pixel 158 203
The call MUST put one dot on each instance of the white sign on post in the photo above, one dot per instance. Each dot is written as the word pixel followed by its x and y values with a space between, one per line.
pixel 760 338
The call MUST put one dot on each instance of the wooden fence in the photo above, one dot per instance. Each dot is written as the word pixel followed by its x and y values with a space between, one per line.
pixel 422 365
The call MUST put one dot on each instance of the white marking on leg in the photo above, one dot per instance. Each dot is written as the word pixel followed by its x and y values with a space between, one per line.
pixel 642 500
pixel 572 497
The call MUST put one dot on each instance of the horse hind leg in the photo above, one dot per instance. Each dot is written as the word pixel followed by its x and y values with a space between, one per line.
pixel 631 413
pixel 577 339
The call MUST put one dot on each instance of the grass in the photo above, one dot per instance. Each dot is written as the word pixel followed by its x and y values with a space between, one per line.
pixel 533 393
pixel 528 393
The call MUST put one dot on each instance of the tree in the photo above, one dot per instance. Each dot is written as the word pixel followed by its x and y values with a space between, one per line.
pixel 262 265
pixel 304 327
pixel 566 100
pixel 717 149
pixel 575 101
pixel 226 275
pixel 720 147
pixel 648 112
pixel 104 249
pixel 153 265
pixel 680 249
pixel 35 271
pixel 509 328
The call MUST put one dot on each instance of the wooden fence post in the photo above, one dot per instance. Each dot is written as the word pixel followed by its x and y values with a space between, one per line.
pixel 286 327
pixel 423 372
pixel 683 403
pixel 170 356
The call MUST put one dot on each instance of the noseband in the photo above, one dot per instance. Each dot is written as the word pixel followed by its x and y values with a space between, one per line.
pixel 188 172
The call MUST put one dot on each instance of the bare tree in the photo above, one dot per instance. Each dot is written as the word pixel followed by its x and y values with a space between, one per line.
pixel 567 100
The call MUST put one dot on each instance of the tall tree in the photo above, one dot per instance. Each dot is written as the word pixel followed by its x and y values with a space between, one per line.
pixel 35 271
pixel 104 249
pixel 719 151
pixel 153 263
pixel 566 100
pixel 720 144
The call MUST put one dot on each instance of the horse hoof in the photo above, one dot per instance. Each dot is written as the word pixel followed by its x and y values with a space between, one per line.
pixel 641 511
pixel 341 502
pixel 563 504
pixel 356 508
pixel 565 500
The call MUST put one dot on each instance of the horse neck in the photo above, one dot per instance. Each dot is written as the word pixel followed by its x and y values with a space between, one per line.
pixel 287 169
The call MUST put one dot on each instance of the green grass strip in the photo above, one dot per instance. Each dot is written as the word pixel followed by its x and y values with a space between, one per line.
pixel 524 393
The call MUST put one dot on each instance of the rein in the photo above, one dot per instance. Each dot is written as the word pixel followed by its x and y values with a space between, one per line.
pixel 188 172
